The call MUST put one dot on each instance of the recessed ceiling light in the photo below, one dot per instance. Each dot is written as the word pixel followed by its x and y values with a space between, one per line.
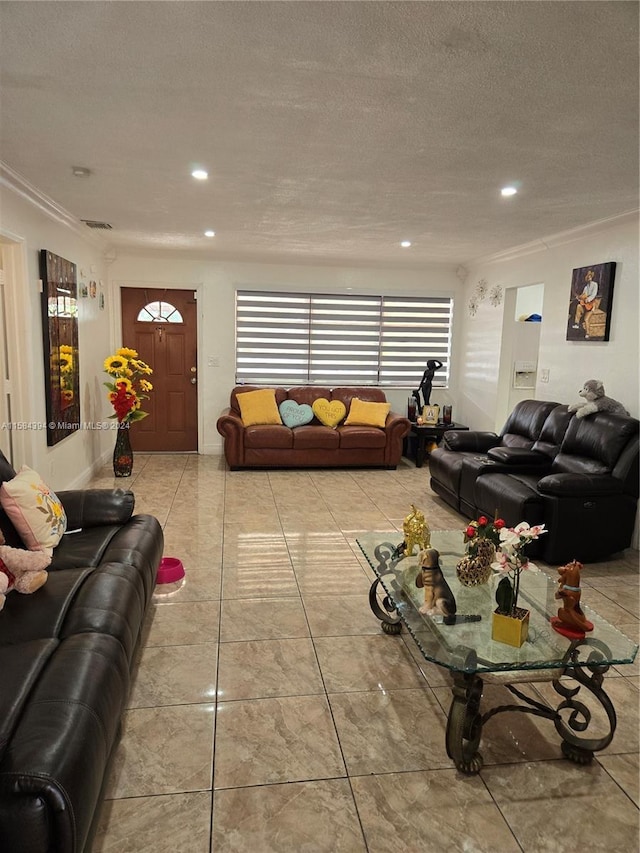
pixel 199 174
pixel 405 244
pixel 81 171
pixel 506 191
pixel 209 233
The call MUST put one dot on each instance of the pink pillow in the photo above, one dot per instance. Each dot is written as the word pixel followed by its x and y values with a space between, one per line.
pixel 34 509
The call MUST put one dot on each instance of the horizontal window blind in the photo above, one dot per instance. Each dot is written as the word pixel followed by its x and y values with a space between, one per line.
pixel 334 339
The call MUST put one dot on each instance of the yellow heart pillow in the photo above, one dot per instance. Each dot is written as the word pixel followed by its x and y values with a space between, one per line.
pixel 329 413
pixel 259 407
pixel 362 413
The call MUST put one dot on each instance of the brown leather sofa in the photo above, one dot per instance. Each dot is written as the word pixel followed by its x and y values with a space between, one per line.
pixel 67 654
pixel 312 445
pixel 578 476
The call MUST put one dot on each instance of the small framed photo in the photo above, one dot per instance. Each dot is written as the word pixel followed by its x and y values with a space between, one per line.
pixel 430 415
pixel 590 302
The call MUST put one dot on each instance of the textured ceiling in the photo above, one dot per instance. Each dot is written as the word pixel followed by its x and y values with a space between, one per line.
pixel 330 130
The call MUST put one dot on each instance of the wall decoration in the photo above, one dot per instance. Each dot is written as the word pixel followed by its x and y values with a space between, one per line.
pixel 482 292
pixel 495 295
pixel 60 337
pixel 590 302
pixel 93 289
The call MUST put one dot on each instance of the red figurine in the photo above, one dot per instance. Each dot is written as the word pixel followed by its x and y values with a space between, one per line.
pixel 570 621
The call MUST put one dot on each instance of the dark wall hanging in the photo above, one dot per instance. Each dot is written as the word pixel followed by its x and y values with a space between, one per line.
pixel 60 336
pixel 590 303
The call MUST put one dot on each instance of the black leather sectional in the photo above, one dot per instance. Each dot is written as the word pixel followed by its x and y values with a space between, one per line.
pixel 578 476
pixel 66 657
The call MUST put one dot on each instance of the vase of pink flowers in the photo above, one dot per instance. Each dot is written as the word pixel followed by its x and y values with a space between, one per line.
pixel 511 623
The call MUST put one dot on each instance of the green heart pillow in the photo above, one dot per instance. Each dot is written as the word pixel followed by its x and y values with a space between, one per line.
pixel 295 414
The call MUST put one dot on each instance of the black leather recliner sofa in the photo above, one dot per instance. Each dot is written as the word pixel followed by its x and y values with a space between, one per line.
pixel 579 477
pixel 66 657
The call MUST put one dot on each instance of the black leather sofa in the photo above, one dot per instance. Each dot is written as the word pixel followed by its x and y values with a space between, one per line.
pixel 578 476
pixel 66 657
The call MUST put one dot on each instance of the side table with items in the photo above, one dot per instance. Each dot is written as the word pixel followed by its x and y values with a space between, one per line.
pixel 428 432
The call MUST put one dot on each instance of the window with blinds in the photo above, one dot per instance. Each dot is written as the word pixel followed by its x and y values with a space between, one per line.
pixel 329 339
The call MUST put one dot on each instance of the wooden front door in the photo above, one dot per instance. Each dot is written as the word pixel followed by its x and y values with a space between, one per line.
pixel 162 326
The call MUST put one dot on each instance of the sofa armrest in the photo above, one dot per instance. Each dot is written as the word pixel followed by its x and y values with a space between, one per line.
pixel 518 456
pixel 580 485
pixel 466 440
pixel 95 507
pixel 231 428
pixel 396 427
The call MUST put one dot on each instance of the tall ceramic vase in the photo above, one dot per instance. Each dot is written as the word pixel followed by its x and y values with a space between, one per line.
pixel 122 453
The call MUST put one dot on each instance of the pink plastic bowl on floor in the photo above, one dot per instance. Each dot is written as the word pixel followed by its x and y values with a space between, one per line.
pixel 170 570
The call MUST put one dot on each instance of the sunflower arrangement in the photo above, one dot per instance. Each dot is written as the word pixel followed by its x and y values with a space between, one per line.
pixel 128 386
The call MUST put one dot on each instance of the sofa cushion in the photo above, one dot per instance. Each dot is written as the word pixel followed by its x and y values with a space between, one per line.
pixel 20 667
pixel 364 413
pixel 514 497
pixel 268 436
pixel 295 414
pixel 259 407
pixel 315 437
pixel 361 437
pixel 585 450
pixel 329 413
pixel 40 615
pixel 34 509
pixel 82 548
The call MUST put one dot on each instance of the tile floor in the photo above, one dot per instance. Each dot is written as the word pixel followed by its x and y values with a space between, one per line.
pixel 269 712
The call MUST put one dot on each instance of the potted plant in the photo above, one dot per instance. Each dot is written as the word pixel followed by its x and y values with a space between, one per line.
pixel 481 538
pixel 511 623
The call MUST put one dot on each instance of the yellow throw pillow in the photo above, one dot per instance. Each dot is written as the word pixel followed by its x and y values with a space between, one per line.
pixel 259 407
pixel 362 413
pixel 329 413
pixel 34 509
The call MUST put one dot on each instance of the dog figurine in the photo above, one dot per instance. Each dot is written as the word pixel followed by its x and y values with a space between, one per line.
pixel 438 598
pixel 570 617
pixel 593 393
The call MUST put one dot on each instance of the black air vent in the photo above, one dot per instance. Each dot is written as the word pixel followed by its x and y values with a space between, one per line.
pixel 91 223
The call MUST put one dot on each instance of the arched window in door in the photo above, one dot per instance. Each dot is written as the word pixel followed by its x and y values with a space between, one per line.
pixel 160 312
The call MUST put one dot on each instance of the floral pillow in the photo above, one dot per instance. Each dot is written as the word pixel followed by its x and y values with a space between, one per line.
pixel 34 509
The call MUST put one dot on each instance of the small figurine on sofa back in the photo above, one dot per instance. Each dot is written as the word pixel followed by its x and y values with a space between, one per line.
pixel 593 393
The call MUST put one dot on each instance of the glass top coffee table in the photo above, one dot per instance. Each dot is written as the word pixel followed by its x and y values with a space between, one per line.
pixel 466 649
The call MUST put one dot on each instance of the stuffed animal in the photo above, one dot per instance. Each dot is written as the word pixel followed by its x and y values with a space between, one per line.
pixel 24 571
pixel 593 393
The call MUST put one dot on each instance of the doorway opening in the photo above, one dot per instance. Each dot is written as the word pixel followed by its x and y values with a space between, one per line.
pixel 520 346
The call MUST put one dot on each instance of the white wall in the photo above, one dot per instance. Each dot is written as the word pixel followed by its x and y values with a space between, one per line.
pixel 217 282
pixel 569 363
pixel 24 230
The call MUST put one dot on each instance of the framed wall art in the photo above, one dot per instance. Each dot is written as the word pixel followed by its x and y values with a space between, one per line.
pixel 590 302
pixel 60 338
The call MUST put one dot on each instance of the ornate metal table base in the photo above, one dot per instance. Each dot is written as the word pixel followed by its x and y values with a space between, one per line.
pixel 465 722
pixel 390 623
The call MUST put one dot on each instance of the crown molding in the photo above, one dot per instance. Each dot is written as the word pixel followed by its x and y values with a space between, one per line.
pixel 19 185
pixel 554 240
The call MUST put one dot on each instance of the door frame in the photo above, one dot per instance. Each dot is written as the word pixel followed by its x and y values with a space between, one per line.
pixel 505 364
pixel 22 369
pixel 116 329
